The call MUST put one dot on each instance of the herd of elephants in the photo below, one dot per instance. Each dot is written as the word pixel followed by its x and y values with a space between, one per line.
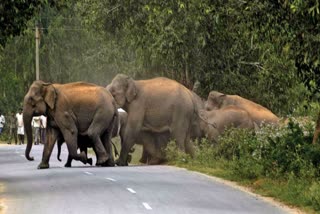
pixel 156 111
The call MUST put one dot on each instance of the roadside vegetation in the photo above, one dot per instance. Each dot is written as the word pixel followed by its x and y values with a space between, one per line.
pixel 279 162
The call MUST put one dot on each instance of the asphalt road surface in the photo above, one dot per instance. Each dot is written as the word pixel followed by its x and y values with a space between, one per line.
pixel 130 190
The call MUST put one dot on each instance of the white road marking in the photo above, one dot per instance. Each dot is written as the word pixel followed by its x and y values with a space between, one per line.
pixel 131 190
pixel 111 179
pixel 22 156
pixel 146 205
pixel 88 173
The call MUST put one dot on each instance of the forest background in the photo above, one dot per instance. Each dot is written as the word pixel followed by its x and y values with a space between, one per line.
pixel 264 50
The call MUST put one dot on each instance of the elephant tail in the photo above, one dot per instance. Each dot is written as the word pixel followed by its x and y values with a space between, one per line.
pixel 59 150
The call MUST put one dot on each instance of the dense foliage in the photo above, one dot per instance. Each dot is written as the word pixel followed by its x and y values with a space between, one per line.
pixel 267 51
pixel 14 15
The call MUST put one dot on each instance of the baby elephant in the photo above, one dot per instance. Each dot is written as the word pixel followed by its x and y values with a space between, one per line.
pixel 258 113
pixel 215 122
pixel 84 142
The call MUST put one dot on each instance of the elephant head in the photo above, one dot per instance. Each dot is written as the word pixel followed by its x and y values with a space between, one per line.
pixel 39 98
pixel 215 100
pixel 123 89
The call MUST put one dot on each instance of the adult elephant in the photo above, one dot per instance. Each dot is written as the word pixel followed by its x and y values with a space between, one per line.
pixel 155 106
pixel 215 122
pixel 258 113
pixel 72 109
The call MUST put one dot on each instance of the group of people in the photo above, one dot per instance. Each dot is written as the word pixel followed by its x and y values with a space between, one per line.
pixel 16 127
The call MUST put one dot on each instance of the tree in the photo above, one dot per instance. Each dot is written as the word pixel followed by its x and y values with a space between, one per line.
pixel 14 15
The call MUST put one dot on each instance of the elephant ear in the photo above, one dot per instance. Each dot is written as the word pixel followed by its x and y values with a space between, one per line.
pixel 131 92
pixel 50 95
pixel 221 100
pixel 203 115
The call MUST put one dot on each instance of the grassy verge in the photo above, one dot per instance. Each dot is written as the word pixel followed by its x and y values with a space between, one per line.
pixel 292 192
pixel 276 162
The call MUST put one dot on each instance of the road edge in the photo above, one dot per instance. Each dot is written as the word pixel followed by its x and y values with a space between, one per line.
pixel 247 190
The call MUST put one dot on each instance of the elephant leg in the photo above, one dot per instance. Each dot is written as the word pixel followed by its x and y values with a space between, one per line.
pixel 106 139
pixel 155 161
pixel 94 134
pixel 181 133
pixel 155 149
pixel 132 130
pixel 189 146
pixel 144 156
pixel 68 163
pixel 149 147
pixel 48 147
pixel 180 138
pixel 72 144
pixel 84 148
pixel 99 150
pixel 125 149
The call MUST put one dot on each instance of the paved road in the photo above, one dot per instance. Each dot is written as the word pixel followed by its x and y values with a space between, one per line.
pixel 130 190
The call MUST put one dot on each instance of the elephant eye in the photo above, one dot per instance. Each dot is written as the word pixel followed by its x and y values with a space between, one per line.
pixel 32 102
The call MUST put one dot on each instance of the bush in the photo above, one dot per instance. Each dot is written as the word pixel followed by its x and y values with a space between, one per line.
pixel 175 156
pixel 205 153
pixel 271 151
pixel 314 195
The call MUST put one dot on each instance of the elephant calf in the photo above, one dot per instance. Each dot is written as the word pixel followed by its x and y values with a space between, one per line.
pixel 258 113
pixel 153 144
pixel 215 122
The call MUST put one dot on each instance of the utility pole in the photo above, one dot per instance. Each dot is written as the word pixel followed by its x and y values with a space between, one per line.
pixel 37 51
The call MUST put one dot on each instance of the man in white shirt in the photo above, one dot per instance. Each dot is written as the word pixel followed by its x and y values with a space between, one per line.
pixel 36 122
pixel 43 126
pixel 20 129
pixel 2 122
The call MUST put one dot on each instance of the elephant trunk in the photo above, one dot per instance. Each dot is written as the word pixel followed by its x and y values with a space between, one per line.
pixel 27 118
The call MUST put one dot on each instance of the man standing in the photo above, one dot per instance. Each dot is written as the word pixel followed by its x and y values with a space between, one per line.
pixel 2 122
pixel 13 128
pixel 43 126
pixel 20 126
pixel 36 121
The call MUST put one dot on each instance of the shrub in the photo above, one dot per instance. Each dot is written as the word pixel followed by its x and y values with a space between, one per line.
pixel 314 195
pixel 174 155
pixel 271 151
